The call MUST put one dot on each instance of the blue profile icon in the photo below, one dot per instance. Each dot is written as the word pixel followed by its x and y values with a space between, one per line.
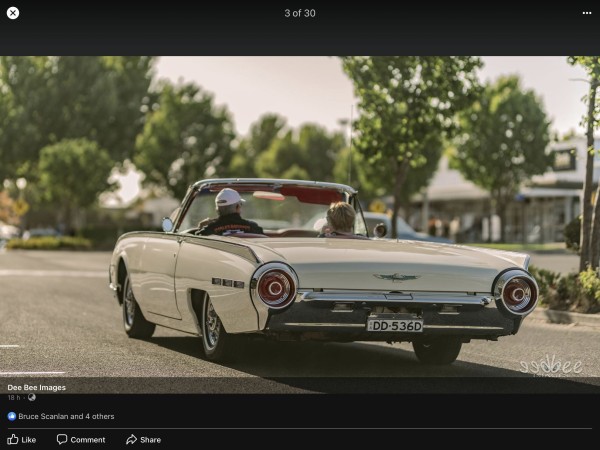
pixel 12 416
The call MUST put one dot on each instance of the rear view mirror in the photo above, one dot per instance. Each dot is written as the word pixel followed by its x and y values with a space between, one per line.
pixel 167 225
pixel 380 230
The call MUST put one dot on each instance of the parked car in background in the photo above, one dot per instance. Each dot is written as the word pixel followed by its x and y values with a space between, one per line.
pixel 8 231
pixel 40 232
pixel 403 230
pixel 289 284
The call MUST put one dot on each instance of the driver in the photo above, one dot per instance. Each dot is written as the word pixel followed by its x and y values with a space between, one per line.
pixel 229 205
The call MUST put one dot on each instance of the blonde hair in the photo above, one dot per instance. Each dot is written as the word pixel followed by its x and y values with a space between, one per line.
pixel 341 217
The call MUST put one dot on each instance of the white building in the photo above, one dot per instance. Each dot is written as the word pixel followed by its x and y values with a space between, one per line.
pixel 539 212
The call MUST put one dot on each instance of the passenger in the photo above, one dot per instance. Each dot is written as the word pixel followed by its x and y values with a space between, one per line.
pixel 340 222
pixel 229 206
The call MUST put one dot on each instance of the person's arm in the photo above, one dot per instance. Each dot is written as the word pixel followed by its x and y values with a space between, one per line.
pixel 205 227
pixel 205 222
pixel 255 228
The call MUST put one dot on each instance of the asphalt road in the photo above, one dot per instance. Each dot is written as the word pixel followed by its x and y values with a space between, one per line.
pixel 58 319
pixel 562 262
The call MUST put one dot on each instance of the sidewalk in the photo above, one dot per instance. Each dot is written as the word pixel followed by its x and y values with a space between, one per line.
pixel 565 317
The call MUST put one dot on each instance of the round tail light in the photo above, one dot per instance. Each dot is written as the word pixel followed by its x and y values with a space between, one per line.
pixel 516 292
pixel 275 285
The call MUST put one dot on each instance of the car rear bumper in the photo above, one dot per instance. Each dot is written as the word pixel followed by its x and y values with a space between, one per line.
pixel 345 317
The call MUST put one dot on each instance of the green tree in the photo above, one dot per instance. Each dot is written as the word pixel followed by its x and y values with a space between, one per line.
pixel 590 223
pixel 6 134
pixel 262 134
pixel 504 140
pixel 8 213
pixel 308 154
pixel 46 99
pixel 185 138
pixel 405 104
pixel 354 173
pixel 367 177
pixel 73 172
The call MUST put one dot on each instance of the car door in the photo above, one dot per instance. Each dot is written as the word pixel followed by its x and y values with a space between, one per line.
pixel 157 277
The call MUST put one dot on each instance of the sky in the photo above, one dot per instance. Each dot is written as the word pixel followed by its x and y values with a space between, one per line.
pixel 315 89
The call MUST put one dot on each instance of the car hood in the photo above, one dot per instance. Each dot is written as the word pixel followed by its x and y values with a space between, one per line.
pixel 389 264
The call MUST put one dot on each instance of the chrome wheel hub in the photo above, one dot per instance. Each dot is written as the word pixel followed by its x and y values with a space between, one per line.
pixel 129 304
pixel 212 326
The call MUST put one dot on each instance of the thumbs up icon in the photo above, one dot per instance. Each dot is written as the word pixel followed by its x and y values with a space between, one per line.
pixel 13 440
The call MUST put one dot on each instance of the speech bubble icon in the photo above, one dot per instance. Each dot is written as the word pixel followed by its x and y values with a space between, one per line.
pixel 61 438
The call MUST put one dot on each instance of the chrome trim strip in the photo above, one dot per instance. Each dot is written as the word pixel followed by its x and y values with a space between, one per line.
pixel 470 327
pixel 217 243
pixel 353 325
pixel 450 299
pixel 527 260
pixel 270 181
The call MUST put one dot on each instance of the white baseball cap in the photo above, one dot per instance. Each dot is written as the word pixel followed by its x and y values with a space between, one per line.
pixel 228 197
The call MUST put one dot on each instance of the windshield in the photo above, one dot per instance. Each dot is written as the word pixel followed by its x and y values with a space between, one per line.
pixel 274 208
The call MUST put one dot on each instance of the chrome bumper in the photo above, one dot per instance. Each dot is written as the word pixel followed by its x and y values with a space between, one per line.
pixel 343 315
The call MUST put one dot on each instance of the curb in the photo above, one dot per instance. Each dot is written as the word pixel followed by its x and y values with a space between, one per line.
pixel 558 251
pixel 552 316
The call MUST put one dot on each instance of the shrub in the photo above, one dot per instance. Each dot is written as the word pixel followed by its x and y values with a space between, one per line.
pixel 104 237
pixel 571 292
pixel 568 292
pixel 590 285
pixel 572 234
pixel 546 280
pixel 50 243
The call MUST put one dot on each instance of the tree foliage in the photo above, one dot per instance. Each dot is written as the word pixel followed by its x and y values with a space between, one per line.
pixel 262 134
pixel 590 223
pixel 185 138
pixel 47 99
pixel 73 172
pixel 309 153
pixel 406 103
pixel 8 214
pixel 504 140
pixel 367 177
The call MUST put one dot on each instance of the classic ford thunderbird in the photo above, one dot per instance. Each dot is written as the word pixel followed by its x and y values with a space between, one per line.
pixel 290 284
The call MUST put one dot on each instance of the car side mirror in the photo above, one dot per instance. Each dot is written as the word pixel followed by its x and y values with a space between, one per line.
pixel 380 230
pixel 167 224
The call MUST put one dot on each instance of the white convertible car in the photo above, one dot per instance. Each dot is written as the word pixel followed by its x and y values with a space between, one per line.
pixel 289 284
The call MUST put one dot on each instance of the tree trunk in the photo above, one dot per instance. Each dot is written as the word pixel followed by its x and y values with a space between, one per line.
pixel 595 240
pixel 67 218
pixel 586 222
pixel 490 214
pixel 401 171
pixel 501 212
pixel 405 206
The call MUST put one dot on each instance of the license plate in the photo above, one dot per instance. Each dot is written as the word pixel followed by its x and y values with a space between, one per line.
pixel 404 326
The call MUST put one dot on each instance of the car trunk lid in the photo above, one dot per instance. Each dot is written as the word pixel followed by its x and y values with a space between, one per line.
pixel 389 265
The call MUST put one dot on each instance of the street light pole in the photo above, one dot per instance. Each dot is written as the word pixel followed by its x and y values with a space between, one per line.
pixel 22 205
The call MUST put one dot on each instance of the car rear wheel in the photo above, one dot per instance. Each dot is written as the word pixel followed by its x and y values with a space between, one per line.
pixel 438 351
pixel 215 339
pixel 136 325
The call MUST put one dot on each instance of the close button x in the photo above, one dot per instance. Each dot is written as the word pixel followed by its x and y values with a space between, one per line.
pixel 12 12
